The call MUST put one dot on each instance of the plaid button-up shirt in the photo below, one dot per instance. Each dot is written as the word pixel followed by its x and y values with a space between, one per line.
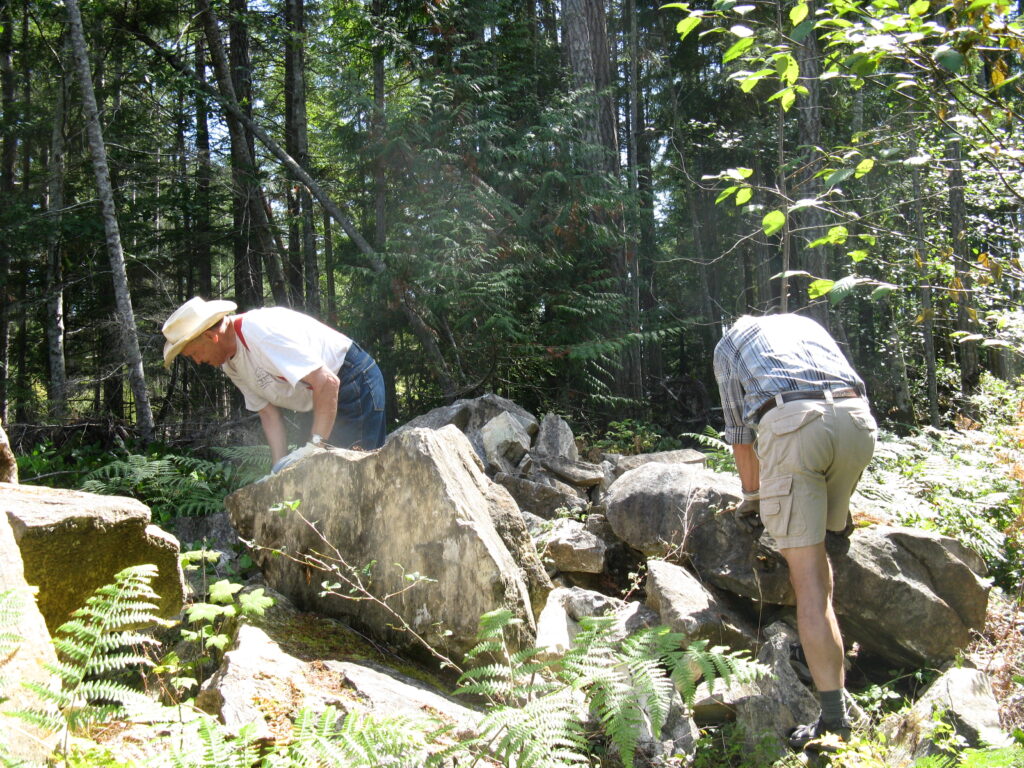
pixel 759 357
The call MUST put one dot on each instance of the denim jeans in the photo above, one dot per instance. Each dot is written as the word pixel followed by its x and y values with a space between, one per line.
pixel 360 422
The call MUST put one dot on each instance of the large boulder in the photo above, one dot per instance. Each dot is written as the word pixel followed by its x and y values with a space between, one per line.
pixel 689 608
pixel 24 661
pixel 936 583
pixel 260 684
pixel 623 464
pixel 960 696
pixel 555 438
pixel 542 499
pixel 571 548
pixel 419 505
pixel 73 543
pixel 767 707
pixel 470 416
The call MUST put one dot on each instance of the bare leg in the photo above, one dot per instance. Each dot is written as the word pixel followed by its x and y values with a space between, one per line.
pixel 811 577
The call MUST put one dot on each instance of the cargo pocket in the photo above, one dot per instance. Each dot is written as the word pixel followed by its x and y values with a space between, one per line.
pixel 777 507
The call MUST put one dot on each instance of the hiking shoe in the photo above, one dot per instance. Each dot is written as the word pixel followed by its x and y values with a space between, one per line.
pixel 818 737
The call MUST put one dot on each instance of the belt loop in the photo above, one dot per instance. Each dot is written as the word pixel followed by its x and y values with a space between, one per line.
pixel 779 401
pixel 828 396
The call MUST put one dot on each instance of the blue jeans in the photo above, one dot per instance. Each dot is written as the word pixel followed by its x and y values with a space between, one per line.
pixel 360 422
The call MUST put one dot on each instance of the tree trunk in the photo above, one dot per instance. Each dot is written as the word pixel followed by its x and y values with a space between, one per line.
pixel 379 126
pixel 58 383
pixel 202 254
pixel 811 220
pixel 968 350
pixel 250 210
pixel 8 155
pixel 402 294
pixel 924 291
pixel 332 296
pixel 129 339
pixel 297 145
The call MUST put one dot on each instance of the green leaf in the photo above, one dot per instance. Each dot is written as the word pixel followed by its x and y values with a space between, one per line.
pixel 680 6
pixel 687 25
pixel 864 167
pixel 773 221
pixel 881 292
pixel 792 273
pixel 836 236
pixel 224 591
pixel 798 13
pixel 724 194
pixel 819 288
pixel 739 173
pixel 204 612
pixel 858 256
pixel 747 84
pixel 869 239
pixel 920 7
pixel 800 33
pixel 744 195
pixel 843 288
pixel 788 68
pixel 981 4
pixel 741 31
pixel 838 177
pixel 254 603
pixel 788 98
pixel 949 59
pixel 737 49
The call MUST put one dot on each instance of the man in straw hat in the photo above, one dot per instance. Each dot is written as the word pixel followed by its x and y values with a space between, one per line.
pixel 280 358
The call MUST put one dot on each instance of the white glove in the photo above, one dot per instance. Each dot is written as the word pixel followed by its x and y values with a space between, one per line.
pixel 299 453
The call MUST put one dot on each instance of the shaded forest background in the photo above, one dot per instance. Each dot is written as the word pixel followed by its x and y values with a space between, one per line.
pixel 561 202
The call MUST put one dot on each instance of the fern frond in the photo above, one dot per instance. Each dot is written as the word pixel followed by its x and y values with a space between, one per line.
pixel 92 644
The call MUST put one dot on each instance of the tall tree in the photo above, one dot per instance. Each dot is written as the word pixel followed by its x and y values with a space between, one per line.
pixel 297 145
pixel 58 379
pixel 129 340
pixel 8 157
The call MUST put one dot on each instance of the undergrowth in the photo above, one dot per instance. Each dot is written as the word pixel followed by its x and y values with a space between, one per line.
pixel 172 483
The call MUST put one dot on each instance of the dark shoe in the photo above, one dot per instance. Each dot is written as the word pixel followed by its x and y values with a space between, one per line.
pixel 818 737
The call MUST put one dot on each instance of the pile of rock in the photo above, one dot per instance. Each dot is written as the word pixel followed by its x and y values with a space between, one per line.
pixel 480 506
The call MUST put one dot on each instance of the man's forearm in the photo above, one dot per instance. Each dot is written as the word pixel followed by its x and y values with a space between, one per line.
pixel 747 465
pixel 325 386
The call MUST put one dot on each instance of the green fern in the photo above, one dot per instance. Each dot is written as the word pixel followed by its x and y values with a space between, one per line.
pixel 171 485
pixel 627 684
pixel 97 641
pixel 215 749
pixel 12 606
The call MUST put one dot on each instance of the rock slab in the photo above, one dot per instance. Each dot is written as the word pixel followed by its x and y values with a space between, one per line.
pixel 24 662
pixel 419 505
pixel 72 543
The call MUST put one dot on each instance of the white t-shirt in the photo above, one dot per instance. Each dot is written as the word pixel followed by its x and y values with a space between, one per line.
pixel 281 347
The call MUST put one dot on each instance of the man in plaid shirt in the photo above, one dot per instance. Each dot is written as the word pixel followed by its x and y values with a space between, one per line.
pixel 802 434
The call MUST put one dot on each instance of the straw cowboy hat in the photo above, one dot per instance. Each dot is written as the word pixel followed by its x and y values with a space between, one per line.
pixel 189 321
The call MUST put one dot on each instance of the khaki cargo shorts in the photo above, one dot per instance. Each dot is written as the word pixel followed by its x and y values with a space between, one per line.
pixel 812 454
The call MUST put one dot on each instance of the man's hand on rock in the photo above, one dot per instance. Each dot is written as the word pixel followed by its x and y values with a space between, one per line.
pixel 299 453
pixel 747 513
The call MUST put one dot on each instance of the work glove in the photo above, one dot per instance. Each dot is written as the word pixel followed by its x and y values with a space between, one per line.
pixel 747 513
pixel 299 453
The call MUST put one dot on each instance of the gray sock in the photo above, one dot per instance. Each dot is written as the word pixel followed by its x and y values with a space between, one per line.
pixel 833 706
